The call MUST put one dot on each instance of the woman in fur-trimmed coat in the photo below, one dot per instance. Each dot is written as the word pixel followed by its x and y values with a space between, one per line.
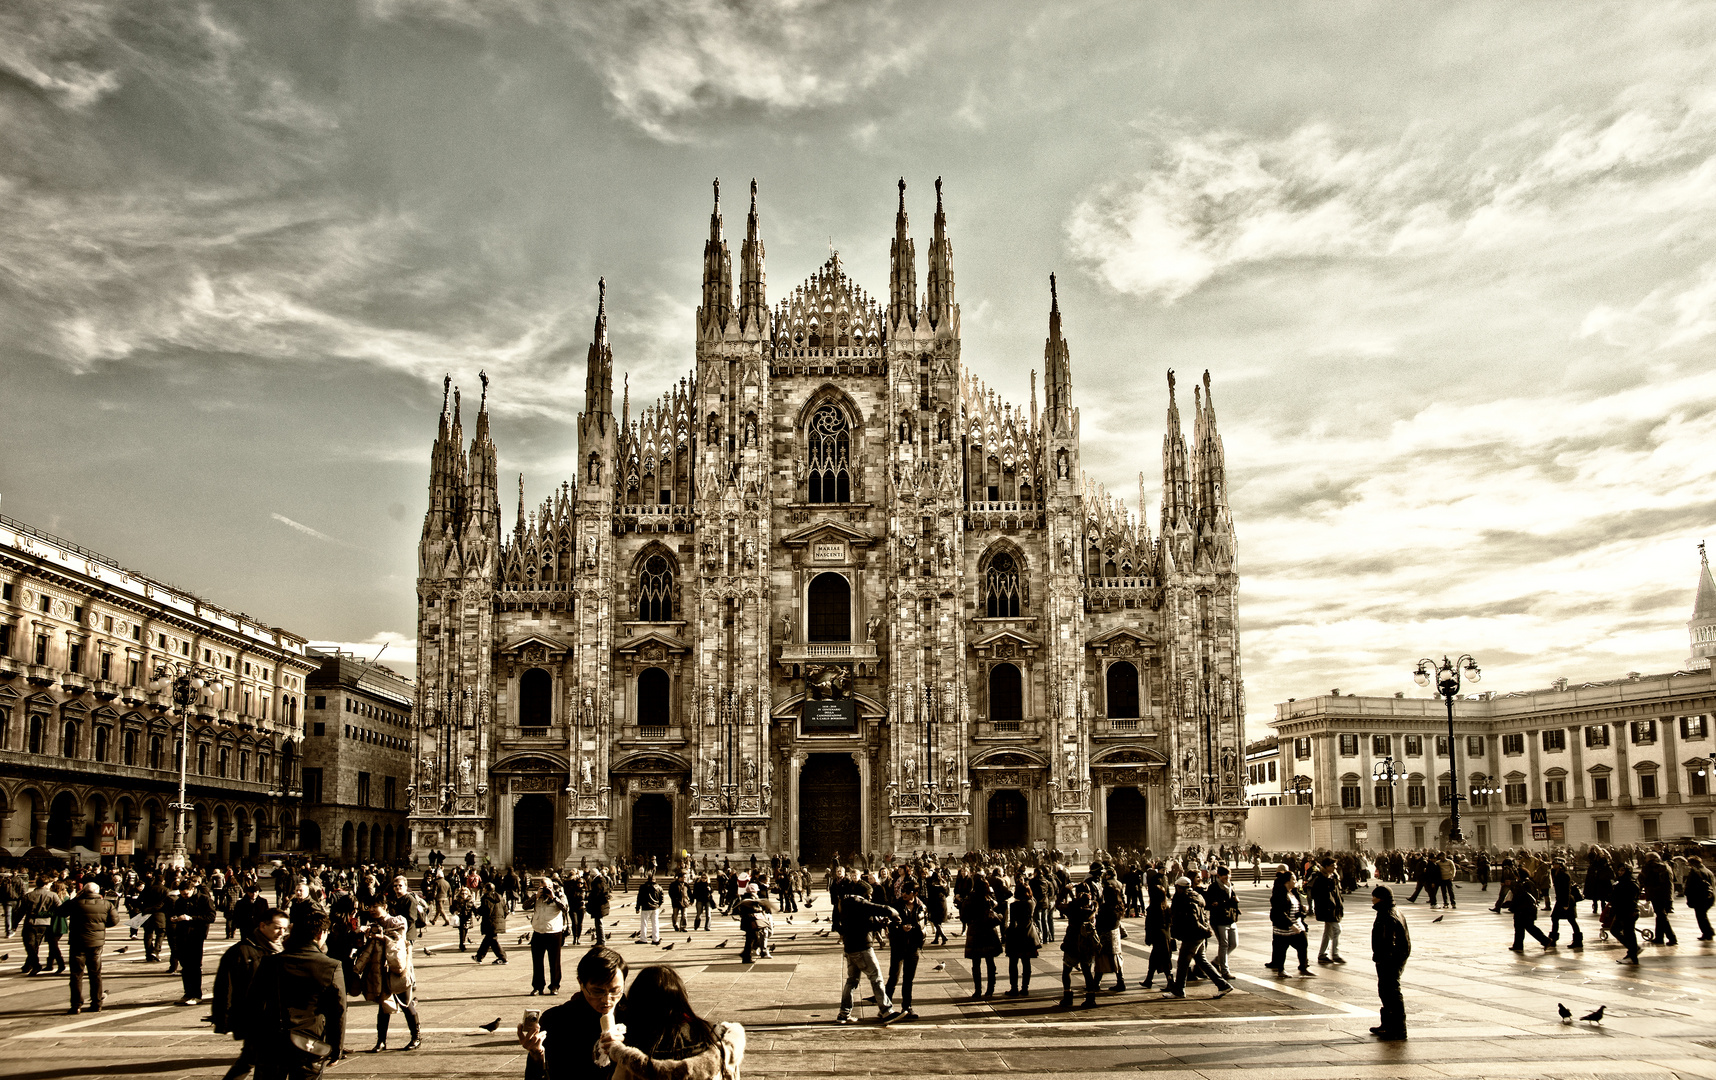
pixel 664 1039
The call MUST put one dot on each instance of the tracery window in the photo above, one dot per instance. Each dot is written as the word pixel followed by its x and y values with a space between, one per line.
pixel 655 591
pixel 830 456
pixel 1001 588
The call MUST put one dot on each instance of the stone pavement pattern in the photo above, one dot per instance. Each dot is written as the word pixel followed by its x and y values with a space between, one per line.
pixel 1475 1009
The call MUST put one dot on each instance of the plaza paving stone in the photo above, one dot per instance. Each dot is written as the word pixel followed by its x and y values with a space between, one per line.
pixel 1475 1010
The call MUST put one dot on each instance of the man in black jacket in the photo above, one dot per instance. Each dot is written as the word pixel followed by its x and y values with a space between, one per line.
pixel 1328 907
pixel 596 903
pixel 189 919
pixel 1390 947
pixel 233 977
pixel 87 916
pixel 491 914
pixel 1189 921
pixel 858 917
pixel 297 1003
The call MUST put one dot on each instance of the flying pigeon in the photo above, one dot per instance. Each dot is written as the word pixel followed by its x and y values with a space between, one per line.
pixel 1439 918
pixel 1595 1017
pixel 491 1025
pixel 1566 1013
pixel 723 945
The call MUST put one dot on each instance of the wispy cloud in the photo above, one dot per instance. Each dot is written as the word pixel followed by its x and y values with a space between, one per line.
pixel 394 650
pixel 315 534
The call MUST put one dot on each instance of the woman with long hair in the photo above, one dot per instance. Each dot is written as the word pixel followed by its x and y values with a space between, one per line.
pixel 1287 911
pixel 665 1039
pixel 982 936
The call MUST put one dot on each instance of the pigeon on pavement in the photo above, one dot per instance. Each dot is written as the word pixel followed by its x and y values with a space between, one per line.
pixel 1595 1017
pixel 723 945
pixel 666 947
pixel 1566 1013
pixel 1439 918
pixel 939 967
pixel 491 1025
pixel 122 948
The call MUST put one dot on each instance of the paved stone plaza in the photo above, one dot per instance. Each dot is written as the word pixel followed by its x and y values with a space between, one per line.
pixel 1476 1010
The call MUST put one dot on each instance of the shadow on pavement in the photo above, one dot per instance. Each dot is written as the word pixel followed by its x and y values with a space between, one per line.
pixel 109 1069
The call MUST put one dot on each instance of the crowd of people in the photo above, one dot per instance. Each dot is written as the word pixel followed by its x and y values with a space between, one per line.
pixel 328 933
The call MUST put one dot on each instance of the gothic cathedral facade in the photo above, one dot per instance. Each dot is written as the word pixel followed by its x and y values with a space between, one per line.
pixel 827 595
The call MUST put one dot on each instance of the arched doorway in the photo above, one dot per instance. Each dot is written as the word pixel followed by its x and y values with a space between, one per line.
pixel 346 843
pixel 533 832
pixel 1122 690
pixel 1128 822
pixel 310 836
pixel 60 813
pixel 653 698
pixel 830 609
pixel 652 828
pixel 828 808
pixel 1008 819
pixel 535 698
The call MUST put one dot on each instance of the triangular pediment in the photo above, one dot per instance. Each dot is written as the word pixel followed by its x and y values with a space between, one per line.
pixel 1003 642
pixel 534 641
pixel 653 639
pixel 1121 635
pixel 827 529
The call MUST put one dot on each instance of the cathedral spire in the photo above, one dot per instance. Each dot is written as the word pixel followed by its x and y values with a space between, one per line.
pixel 903 275
pixel 753 304
pixel 1211 466
pixel 1176 477
pixel 599 365
pixel 482 499
pixel 1703 625
pixel 482 433
pixel 518 523
pixel 717 307
pixel 940 306
pixel 1057 369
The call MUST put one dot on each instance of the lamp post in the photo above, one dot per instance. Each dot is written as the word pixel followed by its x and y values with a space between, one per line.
pixel 1384 772
pixel 1300 788
pixel 1446 677
pixel 1486 786
pixel 188 683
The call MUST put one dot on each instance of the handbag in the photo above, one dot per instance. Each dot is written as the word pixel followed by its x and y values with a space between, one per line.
pixel 308 1045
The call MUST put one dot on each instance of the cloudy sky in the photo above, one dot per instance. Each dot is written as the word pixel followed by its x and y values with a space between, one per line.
pixel 1452 267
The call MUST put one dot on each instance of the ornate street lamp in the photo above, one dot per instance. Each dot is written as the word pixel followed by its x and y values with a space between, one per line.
pixel 1300 788
pixel 1486 786
pixel 1446 677
pixel 1384 772
pixel 190 684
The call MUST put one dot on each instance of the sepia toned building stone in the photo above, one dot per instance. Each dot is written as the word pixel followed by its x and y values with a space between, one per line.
pixel 86 741
pixel 357 759
pixel 827 594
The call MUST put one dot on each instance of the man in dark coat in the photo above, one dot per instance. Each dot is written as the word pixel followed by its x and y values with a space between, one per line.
pixel 1700 892
pixel 1390 947
pixel 1328 906
pixel 36 915
pixel 1566 904
pixel 189 918
pixel 87 917
pixel 1522 900
pixel 1189 920
pixel 491 913
pixel 249 910
pixel 233 976
pixel 1656 881
pixel 297 1003
pixel 596 903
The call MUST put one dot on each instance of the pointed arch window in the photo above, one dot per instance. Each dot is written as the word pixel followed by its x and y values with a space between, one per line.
pixel 655 591
pixel 830 448
pixel 1001 588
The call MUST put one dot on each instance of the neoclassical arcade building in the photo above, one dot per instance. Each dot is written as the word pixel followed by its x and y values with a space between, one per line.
pixel 827 594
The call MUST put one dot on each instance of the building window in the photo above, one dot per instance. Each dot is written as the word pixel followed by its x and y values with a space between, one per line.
pixel 157 750
pixel 536 698
pixel 38 733
pixel 5 639
pixel 1597 736
pixel 68 740
pixel 1272 773
pixel 654 704
pixel 1515 792
pixel 223 762
pixel 1644 732
pixel 1555 790
pixel 1006 698
pixel 1122 686
pixel 1384 795
pixel 1599 788
pixel 363 789
pixel 320 728
pixel 1441 746
pixel 321 701
pixel 128 748
pixel 107 665
pixel 1350 796
pixel 1474 746
pixel 1518 833
pixel 103 735
pixel 1647 785
pixel 1349 745
pixel 1694 727
pixel 1513 743
pixel 1604 833
pixel 202 759
pixel 1415 795
pixel 389 792
pixel 1554 740
pixel 830 456
pixel 132 669
pixel 830 609
pixel 1302 749
pixel 312 786
pixel 42 649
pixel 1698 780
pixel 74 660
pixel 1444 794
pixel 655 591
pixel 1650 828
pixel 1701 826
pixel 1001 588
pixel 1477 793
pixel 1414 746
pixel 1380 745
pixel 244 764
